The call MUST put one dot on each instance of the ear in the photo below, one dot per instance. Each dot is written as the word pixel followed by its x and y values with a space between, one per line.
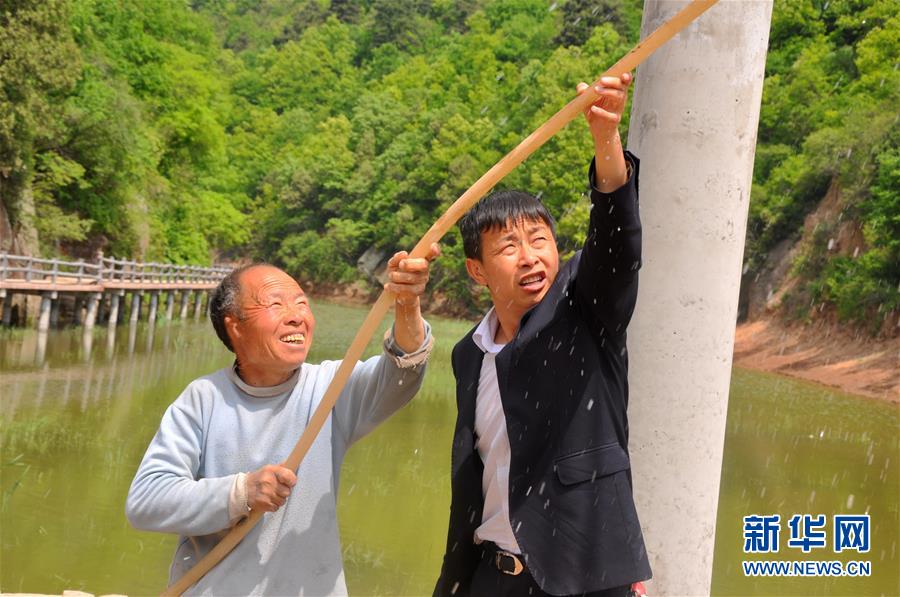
pixel 476 271
pixel 231 328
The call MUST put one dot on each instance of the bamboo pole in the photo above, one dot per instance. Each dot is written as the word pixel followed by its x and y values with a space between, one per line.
pixel 519 154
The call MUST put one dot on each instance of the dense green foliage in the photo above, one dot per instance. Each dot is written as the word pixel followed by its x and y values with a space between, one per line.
pixel 829 124
pixel 306 132
pixel 114 123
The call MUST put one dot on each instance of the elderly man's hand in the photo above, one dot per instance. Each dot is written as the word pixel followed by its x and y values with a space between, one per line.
pixel 269 487
pixel 407 276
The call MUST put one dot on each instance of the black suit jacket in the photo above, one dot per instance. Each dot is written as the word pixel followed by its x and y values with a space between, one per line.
pixel 564 389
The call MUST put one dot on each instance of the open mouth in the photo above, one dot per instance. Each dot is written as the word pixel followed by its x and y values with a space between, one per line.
pixel 295 339
pixel 533 282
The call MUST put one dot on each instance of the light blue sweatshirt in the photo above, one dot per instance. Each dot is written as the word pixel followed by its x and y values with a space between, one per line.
pixel 219 427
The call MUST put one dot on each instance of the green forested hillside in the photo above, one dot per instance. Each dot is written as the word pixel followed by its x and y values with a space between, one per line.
pixel 829 122
pixel 306 132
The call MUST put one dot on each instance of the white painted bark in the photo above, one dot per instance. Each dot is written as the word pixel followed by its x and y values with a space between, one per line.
pixel 693 124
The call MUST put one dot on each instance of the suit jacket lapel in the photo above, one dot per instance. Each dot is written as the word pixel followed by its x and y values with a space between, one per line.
pixel 469 374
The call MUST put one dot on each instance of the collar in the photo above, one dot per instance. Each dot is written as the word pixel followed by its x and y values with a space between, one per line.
pixel 484 334
pixel 263 391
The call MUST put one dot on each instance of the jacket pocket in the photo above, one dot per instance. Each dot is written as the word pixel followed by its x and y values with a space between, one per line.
pixel 591 464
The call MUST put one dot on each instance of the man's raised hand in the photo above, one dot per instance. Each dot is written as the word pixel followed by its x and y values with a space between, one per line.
pixel 407 277
pixel 603 117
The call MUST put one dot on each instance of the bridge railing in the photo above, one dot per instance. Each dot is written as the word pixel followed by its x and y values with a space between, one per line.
pixel 105 269
pixel 132 271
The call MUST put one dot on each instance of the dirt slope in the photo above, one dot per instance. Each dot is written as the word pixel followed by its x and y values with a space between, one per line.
pixel 822 353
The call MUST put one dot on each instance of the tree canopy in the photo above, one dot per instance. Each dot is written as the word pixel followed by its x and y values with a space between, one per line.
pixel 307 132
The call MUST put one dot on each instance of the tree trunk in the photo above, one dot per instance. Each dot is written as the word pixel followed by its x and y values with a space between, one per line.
pixel 693 124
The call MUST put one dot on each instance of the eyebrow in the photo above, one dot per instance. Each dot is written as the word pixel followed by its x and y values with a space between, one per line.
pixel 281 295
pixel 529 231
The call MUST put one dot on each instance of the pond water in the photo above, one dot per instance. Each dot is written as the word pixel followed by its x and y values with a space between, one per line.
pixel 76 418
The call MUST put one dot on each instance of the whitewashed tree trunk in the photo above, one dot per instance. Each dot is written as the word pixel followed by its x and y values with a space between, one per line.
pixel 693 124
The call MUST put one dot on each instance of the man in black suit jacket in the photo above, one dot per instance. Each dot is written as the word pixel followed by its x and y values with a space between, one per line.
pixel 541 480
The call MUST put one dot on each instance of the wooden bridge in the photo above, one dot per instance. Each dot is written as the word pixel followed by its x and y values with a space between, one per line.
pixel 97 290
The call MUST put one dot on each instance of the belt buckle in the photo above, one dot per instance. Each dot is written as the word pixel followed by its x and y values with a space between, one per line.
pixel 517 563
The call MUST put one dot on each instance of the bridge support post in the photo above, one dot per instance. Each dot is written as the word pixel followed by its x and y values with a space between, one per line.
pixel 24 309
pixel 170 304
pixel 7 307
pixel 198 304
pixel 90 316
pixel 154 302
pixel 102 310
pixel 114 299
pixel 54 312
pixel 47 299
pixel 185 296
pixel 40 353
pixel 76 311
pixel 132 335
pixel 136 306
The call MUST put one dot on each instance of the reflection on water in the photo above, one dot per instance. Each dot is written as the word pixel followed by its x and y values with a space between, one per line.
pixel 75 423
pixel 76 420
pixel 799 448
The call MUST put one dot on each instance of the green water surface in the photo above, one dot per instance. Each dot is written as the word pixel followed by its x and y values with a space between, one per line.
pixel 75 421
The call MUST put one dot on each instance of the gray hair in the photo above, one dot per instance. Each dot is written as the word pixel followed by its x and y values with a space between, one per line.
pixel 225 301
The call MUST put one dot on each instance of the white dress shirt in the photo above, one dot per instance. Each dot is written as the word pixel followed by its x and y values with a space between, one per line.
pixel 492 443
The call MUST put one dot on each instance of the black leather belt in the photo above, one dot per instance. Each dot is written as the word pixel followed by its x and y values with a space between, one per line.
pixel 504 561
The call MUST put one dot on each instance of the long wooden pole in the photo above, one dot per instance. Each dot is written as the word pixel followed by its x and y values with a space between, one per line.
pixel 488 180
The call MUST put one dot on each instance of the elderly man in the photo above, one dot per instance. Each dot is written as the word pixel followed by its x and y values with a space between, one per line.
pixel 215 455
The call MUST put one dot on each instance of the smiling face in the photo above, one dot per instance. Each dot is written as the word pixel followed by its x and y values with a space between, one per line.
pixel 272 336
pixel 518 263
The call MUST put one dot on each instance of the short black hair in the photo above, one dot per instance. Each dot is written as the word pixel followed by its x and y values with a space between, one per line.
pixel 225 300
pixel 496 211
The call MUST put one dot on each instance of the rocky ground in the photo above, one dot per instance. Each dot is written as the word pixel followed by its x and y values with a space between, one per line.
pixel 823 353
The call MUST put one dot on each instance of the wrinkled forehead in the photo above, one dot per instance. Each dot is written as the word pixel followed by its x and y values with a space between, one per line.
pixel 267 281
